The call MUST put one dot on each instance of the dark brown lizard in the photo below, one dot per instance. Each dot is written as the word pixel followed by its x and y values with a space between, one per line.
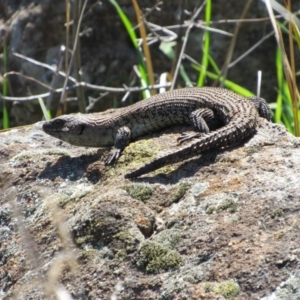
pixel 234 116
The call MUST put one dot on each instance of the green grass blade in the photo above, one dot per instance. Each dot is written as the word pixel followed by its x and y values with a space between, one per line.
pixel 126 23
pixel 279 69
pixel 130 30
pixel 227 83
pixel 5 122
pixel 46 113
pixel 214 65
pixel 287 118
pixel 205 57
pixel 287 124
pixel 185 76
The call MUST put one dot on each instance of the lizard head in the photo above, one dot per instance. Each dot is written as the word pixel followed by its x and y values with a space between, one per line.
pixel 81 130
pixel 64 127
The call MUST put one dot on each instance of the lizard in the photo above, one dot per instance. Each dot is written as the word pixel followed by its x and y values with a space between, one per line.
pixel 233 116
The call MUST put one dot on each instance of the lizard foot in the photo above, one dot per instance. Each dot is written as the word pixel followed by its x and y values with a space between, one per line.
pixel 187 137
pixel 112 156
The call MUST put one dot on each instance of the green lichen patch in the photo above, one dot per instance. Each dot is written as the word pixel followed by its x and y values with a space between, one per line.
pixel 155 258
pixel 252 149
pixel 139 191
pixel 225 204
pixel 121 243
pixel 228 289
pixel 168 238
pixel 277 213
pixel 180 192
pixel 228 205
pixel 94 231
pixel 88 255
pixel 139 152
pixel 78 194
pixel 135 154
pixel 124 242
pixel 64 201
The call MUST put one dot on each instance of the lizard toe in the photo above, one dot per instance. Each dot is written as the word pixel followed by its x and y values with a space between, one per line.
pixel 112 156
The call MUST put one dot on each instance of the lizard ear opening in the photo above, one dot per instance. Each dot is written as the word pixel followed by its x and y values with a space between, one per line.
pixel 81 129
pixel 74 129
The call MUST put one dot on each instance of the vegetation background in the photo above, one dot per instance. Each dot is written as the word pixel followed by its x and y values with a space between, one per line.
pixel 120 47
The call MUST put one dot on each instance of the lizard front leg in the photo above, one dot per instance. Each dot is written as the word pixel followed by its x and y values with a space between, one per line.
pixel 121 141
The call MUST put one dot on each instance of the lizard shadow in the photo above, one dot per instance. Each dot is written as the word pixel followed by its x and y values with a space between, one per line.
pixel 74 168
pixel 185 170
pixel 89 166
pixel 188 168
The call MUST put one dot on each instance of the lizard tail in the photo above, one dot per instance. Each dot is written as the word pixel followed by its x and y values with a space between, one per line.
pixel 223 137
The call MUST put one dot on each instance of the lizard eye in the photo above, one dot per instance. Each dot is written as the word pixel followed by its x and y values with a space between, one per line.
pixel 59 123
pixel 54 125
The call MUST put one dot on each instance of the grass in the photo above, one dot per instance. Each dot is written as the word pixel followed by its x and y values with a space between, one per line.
pixel 131 33
pixel 288 92
pixel 283 107
pixel 5 118
pixel 206 44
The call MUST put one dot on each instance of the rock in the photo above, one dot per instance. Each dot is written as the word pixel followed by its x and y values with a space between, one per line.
pixel 222 226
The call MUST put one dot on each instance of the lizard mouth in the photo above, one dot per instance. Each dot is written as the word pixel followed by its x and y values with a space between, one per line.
pixel 54 126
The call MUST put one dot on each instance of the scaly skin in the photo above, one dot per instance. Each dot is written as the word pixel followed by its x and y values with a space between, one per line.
pixel 235 117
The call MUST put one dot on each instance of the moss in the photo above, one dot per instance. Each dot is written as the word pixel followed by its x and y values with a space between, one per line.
pixel 82 240
pixel 277 213
pixel 210 209
pixel 140 152
pixel 139 191
pixel 228 289
pixel 180 192
pixel 88 254
pixel 63 201
pixel 123 241
pixel 98 230
pixel 155 258
pixel 228 205
pixel 75 197
pixel 134 155
pixel 225 204
pixel 168 238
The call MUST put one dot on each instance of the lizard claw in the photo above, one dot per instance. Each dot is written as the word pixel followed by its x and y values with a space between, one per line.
pixel 187 136
pixel 112 156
